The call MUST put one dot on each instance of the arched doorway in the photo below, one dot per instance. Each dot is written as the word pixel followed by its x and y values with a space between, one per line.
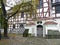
pixel 39 30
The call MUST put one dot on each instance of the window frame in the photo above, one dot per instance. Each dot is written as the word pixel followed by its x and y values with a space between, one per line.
pixel 57 9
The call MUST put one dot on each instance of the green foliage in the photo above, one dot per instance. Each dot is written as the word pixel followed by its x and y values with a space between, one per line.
pixel 15 8
pixel 4 1
pixel 23 7
pixel 29 7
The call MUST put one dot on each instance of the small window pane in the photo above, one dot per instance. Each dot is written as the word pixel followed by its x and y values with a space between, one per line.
pixel 13 26
pixel 57 9
pixel 22 14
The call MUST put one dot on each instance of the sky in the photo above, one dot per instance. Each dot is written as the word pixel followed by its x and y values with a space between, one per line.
pixel 10 3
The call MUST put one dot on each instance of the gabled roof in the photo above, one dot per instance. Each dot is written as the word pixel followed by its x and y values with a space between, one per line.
pixel 49 22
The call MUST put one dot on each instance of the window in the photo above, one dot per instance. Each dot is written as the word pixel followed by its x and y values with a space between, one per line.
pixel 21 25
pixel 57 9
pixel 57 6
pixel 22 14
pixel 51 1
pixel 39 22
pixel 13 26
pixel 40 4
pixel 57 0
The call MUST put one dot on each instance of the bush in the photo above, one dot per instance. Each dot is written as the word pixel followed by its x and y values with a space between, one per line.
pixel 25 33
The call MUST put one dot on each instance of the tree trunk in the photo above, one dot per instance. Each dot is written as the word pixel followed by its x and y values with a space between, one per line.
pixel 5 28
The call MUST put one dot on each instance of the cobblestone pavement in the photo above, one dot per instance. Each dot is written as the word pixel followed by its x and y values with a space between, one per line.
pixel 19 40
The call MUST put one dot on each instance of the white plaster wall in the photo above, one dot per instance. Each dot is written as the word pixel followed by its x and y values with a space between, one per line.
pixel 32 30
pixel 58 21
pixel 28 27
pixel 44 30
pixel 51 27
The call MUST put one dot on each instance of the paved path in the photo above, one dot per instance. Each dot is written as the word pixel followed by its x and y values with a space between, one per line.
pixel 28 41
pixel 19 40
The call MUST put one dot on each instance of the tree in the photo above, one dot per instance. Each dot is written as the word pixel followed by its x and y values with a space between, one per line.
pixel 27 7
pixel 5 17
pixel 1 18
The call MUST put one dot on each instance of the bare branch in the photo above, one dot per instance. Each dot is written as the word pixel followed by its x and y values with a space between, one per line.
pixel 13 14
